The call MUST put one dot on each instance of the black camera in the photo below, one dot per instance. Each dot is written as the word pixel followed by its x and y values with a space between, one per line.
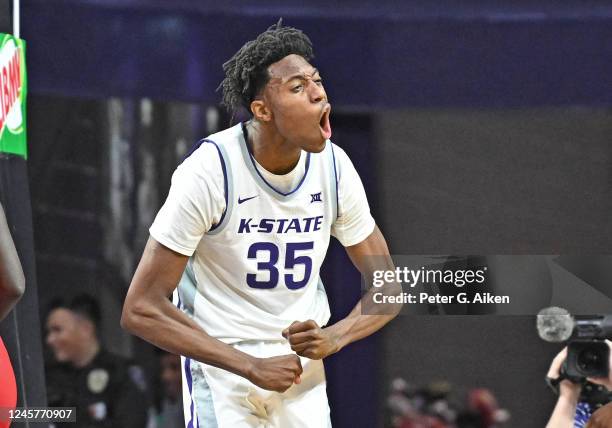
pixel 588 355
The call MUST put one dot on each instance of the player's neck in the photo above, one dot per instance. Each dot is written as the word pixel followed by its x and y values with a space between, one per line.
pixel 270 149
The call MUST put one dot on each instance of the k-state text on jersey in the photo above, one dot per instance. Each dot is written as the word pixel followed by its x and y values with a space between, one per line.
pixel 280 225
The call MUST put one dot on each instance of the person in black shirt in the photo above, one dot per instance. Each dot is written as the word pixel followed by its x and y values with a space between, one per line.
pixel 106 389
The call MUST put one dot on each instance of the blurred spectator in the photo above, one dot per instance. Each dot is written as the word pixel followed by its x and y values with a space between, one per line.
pixel 171 406
pixel 439 405
pixel 105 389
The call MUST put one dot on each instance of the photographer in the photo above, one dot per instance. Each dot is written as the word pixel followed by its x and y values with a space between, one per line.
pixel 570 411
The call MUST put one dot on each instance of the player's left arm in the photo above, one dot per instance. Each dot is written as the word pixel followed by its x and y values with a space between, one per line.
pixel 309 340
pixel 12 281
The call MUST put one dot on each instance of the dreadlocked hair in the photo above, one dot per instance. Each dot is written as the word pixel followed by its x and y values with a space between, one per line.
pixel 246 73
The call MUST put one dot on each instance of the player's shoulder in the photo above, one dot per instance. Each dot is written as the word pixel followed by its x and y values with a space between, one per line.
pixel 206 156
pixel 201 155
pixel 210 146
pixel 341 158
pixel 226 136
pixel 337 151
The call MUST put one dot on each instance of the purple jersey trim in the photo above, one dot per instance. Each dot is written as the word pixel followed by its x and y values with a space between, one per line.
pixel 246 139
pixel 336 177
pixel 223 167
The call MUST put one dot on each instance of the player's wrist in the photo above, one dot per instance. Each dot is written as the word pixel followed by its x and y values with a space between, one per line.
pixel 249 367
pixel 334 338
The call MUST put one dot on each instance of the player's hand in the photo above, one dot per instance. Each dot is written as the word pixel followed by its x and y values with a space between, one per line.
pixel 309 340
pixel 602 418
pixel 605 381
pixel 276 373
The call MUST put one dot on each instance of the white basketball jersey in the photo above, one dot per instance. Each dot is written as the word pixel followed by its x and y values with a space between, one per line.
pixel 257 270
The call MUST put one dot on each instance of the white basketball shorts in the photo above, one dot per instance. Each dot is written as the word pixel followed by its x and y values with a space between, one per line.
pixel 216 398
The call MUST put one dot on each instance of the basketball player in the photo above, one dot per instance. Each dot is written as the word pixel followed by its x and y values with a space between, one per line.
pixel 12 280
pixel 245 229
pixel 12 287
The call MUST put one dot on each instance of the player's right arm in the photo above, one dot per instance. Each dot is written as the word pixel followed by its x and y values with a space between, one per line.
pixel 12 281
pixel 195 202
pixel 149 314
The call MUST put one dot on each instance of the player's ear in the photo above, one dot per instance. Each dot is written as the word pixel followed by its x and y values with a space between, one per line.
pixel 260 110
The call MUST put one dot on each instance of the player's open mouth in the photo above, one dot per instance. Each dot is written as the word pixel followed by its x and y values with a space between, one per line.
pixel 324 123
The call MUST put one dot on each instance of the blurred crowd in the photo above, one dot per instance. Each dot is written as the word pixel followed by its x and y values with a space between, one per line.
pixel 439 405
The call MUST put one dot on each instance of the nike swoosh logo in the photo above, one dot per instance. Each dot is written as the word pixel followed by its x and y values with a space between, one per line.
pixel 246 199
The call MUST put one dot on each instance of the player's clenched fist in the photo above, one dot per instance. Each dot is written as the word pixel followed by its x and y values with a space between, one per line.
pixel 309 340
pixel 276 373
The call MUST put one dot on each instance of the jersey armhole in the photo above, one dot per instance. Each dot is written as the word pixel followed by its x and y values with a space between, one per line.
pixel 227 189
pixel 227 182
pixel 334 180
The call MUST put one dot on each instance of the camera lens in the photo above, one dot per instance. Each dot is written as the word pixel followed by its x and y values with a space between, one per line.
pixel 590 361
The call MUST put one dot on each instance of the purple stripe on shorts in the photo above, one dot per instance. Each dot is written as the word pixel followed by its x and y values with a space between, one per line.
pixel 189 385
